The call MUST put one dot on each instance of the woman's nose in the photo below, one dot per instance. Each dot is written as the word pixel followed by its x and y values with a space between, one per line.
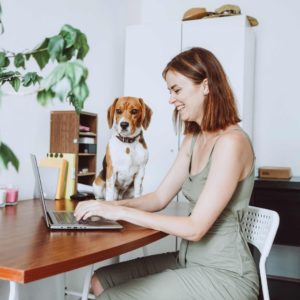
pixel 172 100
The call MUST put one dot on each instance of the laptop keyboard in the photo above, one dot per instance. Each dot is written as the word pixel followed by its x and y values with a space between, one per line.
pixel 67 218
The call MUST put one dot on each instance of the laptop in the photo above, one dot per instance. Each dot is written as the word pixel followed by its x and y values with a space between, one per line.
pixel 65 219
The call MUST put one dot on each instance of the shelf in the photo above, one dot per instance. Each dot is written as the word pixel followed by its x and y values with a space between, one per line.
pixel 83 133
pixel 65 135
pixel 86 174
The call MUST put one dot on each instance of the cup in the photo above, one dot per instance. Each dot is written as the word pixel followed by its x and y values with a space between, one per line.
pixel 2 197
pixel 11 196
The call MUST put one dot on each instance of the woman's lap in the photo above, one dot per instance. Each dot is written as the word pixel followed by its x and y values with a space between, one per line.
pixel 117 274
pixel 161 277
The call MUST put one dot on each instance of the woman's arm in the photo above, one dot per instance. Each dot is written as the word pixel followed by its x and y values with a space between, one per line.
pixel 229 162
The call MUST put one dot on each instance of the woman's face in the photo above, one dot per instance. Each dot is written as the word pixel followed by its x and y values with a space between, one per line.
pixel 186 96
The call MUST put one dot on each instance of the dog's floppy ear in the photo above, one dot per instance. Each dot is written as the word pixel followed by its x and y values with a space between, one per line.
pixel 111 113
pixel 146 114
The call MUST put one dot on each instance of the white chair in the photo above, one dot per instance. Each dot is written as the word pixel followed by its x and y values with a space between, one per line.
pixel 260 226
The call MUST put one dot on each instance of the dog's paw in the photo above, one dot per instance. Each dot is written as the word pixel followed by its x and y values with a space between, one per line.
pixel 98 191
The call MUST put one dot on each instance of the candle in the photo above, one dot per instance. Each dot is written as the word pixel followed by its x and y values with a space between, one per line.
pixel 2 197
pixel 11 196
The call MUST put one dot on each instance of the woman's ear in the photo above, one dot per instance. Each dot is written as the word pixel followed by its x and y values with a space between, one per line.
pixel 111 113
pixel 205 87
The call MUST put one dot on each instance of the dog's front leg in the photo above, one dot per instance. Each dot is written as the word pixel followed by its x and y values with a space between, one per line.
pixel 138 182
pixel 111 193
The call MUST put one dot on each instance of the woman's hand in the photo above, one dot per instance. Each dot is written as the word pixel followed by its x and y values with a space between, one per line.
pixel 99 208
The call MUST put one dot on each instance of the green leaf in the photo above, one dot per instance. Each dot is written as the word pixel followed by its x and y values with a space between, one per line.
pixel 81 45
pixel 7 156
pixel 6 76
pixel 27 56
pixel 69 35
pixel 57 74
pixel 55 46
pixel 44 96
pixel 15 82
pixel 77 104
pixel 62 88
pixel 4 61
pixel 81 92
pixel 75 71
pixel 19 61
pixel 41 55
pixel 31 78
pixel 67 54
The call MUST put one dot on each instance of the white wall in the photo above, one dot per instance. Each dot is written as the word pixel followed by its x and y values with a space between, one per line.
pixel 276 104
pixel 24 124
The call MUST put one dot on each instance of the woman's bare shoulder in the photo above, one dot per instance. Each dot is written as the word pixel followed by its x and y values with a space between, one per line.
pixel 234 144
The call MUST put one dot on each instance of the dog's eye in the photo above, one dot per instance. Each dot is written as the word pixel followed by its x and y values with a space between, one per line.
pixel 134 111
pixel 118 111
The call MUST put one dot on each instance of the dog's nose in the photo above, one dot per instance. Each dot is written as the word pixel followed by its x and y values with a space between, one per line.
pixel 124 125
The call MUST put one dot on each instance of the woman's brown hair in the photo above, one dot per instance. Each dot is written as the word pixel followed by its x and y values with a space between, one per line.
pixel 219 106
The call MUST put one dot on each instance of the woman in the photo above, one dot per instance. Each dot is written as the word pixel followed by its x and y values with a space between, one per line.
pixel 215 170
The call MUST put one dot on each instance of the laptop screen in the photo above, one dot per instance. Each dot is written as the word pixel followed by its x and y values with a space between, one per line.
pixel 38 183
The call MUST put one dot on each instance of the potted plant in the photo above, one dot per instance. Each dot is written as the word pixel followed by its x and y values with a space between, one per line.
pixel 66 81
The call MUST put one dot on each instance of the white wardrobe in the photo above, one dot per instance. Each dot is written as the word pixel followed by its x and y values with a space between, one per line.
pixel 149 47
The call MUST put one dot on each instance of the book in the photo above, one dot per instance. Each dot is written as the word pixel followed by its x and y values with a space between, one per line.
pixel 70 181
pixel 61 166
pixel 49 178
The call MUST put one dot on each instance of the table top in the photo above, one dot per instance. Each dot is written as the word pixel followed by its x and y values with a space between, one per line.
pixel 30 251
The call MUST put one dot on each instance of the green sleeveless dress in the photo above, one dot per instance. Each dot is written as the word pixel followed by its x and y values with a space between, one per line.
pixel 219 266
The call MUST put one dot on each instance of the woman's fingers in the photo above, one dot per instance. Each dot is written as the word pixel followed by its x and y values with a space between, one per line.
pixel 83 207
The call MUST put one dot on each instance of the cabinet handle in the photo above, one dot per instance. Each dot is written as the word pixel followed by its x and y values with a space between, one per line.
pixel 75 141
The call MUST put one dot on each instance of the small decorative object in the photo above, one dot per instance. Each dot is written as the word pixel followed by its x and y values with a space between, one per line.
pixel 275 172
pixel 194 13
pixel 11 196
pixel 226 10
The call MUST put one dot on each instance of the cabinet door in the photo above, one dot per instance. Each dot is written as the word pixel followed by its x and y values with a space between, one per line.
pixel 148 49
pixel 231 40
pixel 64 132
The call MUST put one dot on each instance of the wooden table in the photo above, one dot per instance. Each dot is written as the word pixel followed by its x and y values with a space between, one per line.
pixel 29 251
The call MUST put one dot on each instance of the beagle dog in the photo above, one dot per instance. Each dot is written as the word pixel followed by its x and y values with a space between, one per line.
pixel 126 153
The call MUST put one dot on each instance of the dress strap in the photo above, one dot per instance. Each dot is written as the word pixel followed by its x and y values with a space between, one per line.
pixel 193 141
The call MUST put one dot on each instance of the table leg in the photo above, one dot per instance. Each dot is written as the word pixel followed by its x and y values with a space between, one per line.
pixel 13 291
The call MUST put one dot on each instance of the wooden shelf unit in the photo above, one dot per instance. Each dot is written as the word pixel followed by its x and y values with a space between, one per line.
pixel 64 138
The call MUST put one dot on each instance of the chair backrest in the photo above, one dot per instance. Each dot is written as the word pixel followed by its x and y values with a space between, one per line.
pixel 259 226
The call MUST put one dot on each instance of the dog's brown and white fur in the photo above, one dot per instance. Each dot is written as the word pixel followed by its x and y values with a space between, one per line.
pixel 126 153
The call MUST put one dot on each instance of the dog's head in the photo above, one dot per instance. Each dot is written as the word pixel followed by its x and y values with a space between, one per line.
pixel 129 115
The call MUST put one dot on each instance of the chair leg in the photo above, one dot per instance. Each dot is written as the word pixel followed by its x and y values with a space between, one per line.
pixel 145 251
pixel 84 295
pixel 263 277
pixel 13 290
pixel 87 283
